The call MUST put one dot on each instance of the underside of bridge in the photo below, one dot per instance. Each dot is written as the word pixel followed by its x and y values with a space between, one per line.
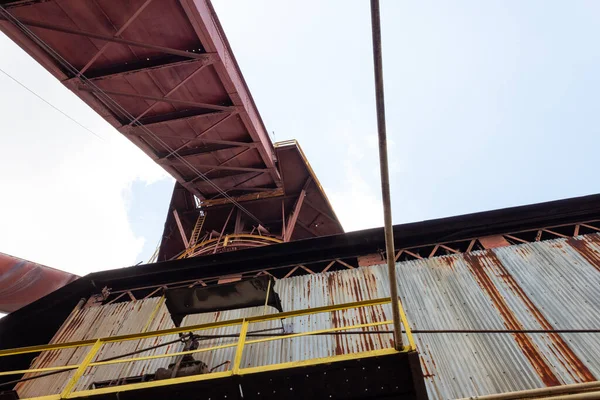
pixel 163 74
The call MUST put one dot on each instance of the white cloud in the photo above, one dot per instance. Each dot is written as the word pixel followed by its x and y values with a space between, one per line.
pixel 64 191
pixel 356 205
pixel 355 201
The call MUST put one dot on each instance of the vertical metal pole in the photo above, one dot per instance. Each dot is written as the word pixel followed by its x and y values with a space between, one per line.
pixel 66 392
pixel 383 166
pixel 267 298
pixel 240 348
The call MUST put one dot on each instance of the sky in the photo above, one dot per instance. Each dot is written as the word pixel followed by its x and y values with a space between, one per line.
pixel 489 105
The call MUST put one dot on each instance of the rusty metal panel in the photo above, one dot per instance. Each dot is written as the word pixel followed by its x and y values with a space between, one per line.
pixel 563 283
pixel 132 317
pixel 309 291
pixel 537 286
pixel 102 321
pixel 442 294
pixel 23 282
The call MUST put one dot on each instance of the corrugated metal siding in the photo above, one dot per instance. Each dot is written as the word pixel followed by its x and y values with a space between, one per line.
pixel 95 322
pixel 545 285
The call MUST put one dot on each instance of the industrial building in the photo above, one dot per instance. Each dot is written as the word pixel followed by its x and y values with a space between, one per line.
pixel 256 292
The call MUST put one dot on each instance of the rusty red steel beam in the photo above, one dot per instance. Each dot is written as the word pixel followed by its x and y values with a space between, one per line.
pixel 222 163
pixel 193 181
pixel 207 106
pixel 282 218
pixel 206 24
pixel 291 224
pixel 173 90
pixel 198 136
pixel 181 230
pixel 248 188
pixel 116 35
pixel 144 66
pixel 239 187
pixel 516 239
pixel 207 141
pixel 322 212
pixel 108 38
pixel 215 167
pixel 22 282
pixel 171 117
pixel 345 264
pixel 328 266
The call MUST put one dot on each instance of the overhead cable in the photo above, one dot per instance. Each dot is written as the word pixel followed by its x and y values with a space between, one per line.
pixel 50 104
pixel 105 98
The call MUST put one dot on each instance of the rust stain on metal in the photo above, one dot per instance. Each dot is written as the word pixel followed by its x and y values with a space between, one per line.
pixel 448 261
pixel 583 373
pixel 335 317
pixel 377 312
pixel 583 247
pixel 529 348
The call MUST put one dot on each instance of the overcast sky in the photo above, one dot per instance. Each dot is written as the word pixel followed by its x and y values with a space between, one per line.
pixel 490 104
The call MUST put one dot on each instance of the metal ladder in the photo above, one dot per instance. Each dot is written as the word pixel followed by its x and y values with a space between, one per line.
pixel 197 229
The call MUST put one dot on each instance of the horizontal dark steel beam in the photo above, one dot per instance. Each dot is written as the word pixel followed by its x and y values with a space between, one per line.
pixel 19 3
pixel 358 243
pixel 248 189
pixel 184 115
pixel 203 150
pixel 213 167
pixel 157 98
pixel 154 64
pixel 249 204
pixel 108 38
pixel 230 143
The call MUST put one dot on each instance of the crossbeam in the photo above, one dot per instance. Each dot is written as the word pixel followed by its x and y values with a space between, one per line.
pixel 243 198
pixel 108 38
pixel 228 160
pixel 176 116
pixel 248 188
pixel 211 148
pixel 199 69
pixel 153 64
pixel 198 136
pixel 214 167
pixel 156 98
pixel 291 224
pixel 122 29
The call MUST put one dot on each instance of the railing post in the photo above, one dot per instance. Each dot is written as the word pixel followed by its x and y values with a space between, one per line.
pixel 240 348
pixel 82 367
pixel 411 341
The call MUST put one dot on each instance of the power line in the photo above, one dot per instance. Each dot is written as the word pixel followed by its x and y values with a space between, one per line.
pixel 50 104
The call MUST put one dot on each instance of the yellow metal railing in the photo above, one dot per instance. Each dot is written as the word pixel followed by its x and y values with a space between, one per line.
pixel 236 368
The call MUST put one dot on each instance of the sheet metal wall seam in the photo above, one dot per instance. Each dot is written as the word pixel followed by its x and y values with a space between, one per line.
pixel 562 361
pixel 78 330
pixel 437 293
pixel 565 288
pixel 455 362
